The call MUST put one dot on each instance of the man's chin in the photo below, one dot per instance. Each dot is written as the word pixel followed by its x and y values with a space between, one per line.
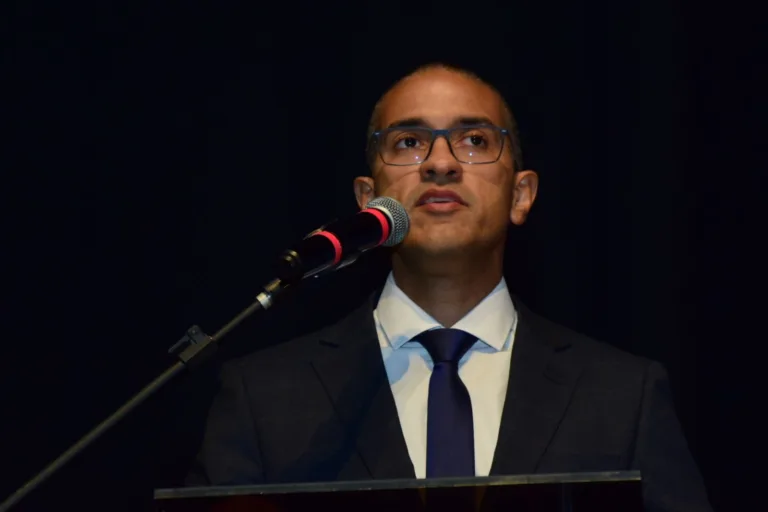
pixel 441 247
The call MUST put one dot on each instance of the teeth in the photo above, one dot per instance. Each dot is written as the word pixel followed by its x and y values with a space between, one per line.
pixel 439 200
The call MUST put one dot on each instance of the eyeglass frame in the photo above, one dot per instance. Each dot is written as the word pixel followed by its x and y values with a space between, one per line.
pixel 440 133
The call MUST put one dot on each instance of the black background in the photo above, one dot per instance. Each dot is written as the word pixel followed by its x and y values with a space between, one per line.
pixel 160 155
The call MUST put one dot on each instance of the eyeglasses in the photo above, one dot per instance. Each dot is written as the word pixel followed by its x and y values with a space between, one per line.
pixel 473 144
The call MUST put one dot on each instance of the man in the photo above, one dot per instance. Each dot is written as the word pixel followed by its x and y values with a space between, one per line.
pixel 378 395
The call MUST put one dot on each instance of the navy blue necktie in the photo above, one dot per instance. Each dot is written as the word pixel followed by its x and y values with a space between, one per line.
pixel 450 435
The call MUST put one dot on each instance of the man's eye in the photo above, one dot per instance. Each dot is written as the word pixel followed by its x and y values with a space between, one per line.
pixel 474 140
pixel 407 143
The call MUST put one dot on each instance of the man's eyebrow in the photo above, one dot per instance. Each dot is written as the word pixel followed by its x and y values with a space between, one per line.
pixel 411 121
pixel 421 122
pixel 463 121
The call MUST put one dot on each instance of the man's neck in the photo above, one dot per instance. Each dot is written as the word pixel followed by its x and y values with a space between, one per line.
pixel 449 295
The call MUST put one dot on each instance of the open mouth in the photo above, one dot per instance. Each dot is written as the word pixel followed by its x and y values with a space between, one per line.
pixel 441 199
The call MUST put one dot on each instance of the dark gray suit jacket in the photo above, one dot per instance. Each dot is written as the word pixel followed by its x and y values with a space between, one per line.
pixel 320 408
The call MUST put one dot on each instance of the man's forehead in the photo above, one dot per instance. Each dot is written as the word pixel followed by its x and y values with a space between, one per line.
pixel 440 97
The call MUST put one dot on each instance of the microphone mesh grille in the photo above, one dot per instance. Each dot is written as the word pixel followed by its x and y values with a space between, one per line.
pixel 397 215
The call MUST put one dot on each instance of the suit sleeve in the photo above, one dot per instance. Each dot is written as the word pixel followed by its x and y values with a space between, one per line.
pixel 229 454
pixel 671 480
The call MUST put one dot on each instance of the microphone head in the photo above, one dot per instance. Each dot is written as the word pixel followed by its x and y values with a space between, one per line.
pixel 398 218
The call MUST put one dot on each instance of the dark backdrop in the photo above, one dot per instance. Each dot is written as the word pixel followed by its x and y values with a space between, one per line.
pixel 161 155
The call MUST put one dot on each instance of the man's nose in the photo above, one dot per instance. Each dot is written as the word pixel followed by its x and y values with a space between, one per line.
pixel 441 164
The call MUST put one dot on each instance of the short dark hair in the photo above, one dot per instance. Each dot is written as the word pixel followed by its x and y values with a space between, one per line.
pixel 508 118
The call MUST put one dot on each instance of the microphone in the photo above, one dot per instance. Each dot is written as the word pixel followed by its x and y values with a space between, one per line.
pixel 384 221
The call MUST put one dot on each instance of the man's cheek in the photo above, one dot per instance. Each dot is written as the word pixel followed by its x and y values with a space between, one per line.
pixel 396 189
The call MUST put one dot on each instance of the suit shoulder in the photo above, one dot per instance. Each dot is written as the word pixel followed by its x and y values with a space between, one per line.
pixel 302 349
pixel 293 351
pixel 588 350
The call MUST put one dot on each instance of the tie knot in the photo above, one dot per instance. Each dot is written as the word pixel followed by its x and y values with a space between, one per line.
pixel 446 345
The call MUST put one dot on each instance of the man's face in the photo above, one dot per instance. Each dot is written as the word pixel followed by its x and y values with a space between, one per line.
pixel 440 99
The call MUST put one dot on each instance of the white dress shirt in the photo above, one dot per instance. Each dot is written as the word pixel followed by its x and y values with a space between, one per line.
pixel 484 369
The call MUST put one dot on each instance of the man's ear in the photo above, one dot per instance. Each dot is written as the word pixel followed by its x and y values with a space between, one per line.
pixel 526 186
pixel 364 191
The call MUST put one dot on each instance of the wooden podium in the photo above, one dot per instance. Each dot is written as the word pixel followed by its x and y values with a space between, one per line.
pixel 616 491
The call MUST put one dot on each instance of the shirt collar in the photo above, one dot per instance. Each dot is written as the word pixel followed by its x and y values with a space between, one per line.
pixel 401 319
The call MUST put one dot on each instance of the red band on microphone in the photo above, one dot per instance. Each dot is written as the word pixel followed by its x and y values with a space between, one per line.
pixel 336 244
pixel 383 220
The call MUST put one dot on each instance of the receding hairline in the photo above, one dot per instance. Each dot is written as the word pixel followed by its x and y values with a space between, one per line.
pixel 375 120
pixel 508 118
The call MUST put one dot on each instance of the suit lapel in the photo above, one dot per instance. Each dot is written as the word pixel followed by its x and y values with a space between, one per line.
pixel 351 369
pixel 542 377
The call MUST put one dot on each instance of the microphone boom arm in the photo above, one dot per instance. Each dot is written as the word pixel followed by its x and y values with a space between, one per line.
pixel 194 348
pixel 359 234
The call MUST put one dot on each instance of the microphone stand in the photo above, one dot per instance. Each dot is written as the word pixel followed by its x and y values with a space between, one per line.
pixel 191 350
